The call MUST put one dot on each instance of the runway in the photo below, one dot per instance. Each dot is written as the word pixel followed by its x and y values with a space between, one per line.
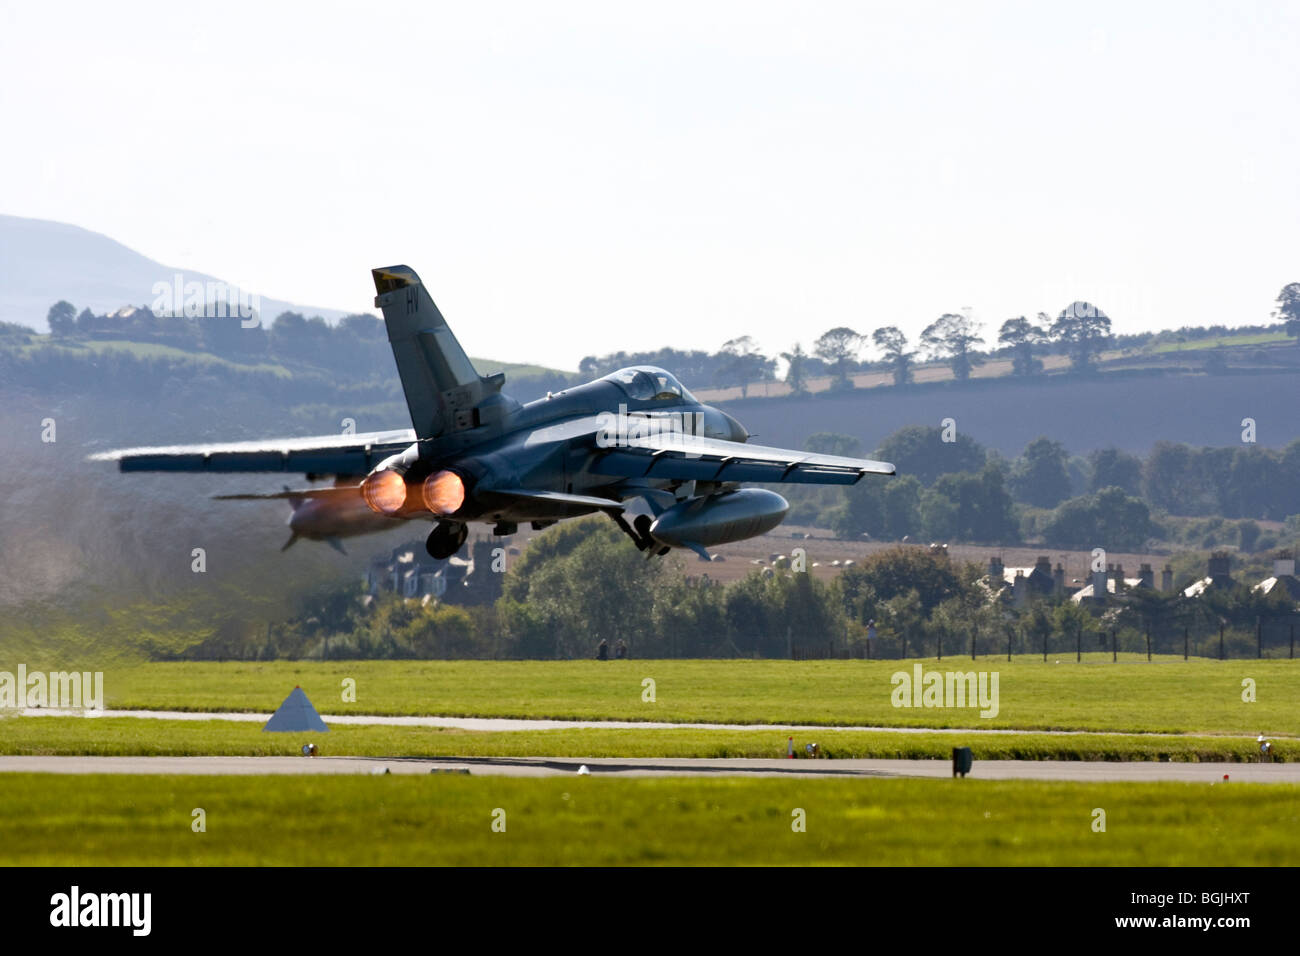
pixel 1063 770
pixel 518 724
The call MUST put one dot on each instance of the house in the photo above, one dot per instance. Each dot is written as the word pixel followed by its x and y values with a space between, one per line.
pixel 409 571
pixel 1111 582
pixel 1020 584
pixel 1217 576
pixel 1283 577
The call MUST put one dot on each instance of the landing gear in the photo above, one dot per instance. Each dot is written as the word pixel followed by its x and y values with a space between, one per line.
pixel 639 532
pixel 446 539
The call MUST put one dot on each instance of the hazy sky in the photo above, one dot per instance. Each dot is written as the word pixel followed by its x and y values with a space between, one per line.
pixel 578 178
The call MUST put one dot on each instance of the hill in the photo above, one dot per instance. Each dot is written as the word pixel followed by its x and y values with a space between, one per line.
pixel 1127 409
pixel 42 262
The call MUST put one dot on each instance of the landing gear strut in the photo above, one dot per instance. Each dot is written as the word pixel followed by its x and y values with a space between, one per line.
pixel 446 539
pixel 639 532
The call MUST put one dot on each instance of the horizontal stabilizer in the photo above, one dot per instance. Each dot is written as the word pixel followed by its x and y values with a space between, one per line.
pixel 321 454
pixel 345 491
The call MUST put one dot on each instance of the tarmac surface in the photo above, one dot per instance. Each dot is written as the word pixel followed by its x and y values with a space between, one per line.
pixel 1069 770
pixel 528 723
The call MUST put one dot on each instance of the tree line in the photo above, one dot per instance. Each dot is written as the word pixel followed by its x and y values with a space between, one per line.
pixel 956 490
pixel 1080 331
pixel 579 583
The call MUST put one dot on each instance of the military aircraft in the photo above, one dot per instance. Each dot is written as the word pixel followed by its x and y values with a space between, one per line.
pixel 635 445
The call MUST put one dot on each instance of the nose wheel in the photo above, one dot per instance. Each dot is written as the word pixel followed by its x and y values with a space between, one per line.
pixel 446 539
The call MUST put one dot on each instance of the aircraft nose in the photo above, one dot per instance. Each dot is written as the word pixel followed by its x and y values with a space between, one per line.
pixel 718 424
pixel 735 430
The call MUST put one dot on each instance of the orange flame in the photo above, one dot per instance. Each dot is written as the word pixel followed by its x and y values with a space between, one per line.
pixel 444 492
pixel 384 492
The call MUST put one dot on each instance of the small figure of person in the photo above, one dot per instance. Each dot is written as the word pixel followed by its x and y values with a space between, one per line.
pixel 602 652
pixel 620 649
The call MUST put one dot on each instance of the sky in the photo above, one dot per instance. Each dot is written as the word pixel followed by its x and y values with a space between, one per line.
pixel 573 179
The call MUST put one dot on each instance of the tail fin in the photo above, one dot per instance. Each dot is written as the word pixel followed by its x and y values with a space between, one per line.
pixel 443 390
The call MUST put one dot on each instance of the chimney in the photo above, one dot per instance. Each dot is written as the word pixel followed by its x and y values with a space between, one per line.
pixel 1218 569
pixel 1099 591
pixel 1043 564
pixel 1117 575
pixel 1147 577
pixel 995 567
pixel 1284 564
pixel 1058 579
pixel 1167 578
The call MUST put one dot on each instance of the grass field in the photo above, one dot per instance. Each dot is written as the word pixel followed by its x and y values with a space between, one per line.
pixel 122 736
pixel 438 819
pixel 1165 695
pixel 1223 341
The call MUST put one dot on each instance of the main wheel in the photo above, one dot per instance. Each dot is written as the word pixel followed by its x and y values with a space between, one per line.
pixel 446 539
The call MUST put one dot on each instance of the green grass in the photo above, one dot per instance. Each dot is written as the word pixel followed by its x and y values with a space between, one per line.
pixel 49 819
pixel 122 736
pixel 1166 695
pixel 148 350
pixel 1222 341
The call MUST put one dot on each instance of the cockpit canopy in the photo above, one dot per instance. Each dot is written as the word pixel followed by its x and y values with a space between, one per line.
pixel 646 383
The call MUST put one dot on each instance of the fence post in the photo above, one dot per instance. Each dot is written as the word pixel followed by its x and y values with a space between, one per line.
pixel 904 645
pixel 938 641
pixel 1259 635
pixel 1114 647
pixel 1293 638
pixel 1184 643
pixel 1078 645
pixel 1008 646
pixel 1044 647
pixel 1148 643
pixel 1220 640
pixel 972 644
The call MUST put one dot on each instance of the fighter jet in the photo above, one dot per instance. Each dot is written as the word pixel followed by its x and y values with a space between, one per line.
pixel 634 445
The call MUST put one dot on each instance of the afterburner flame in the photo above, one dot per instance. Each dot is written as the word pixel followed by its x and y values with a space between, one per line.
pixel 384 492
pixel 444 492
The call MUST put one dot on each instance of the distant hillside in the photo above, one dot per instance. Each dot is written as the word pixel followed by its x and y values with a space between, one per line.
pixel 1130 410
pixel 42 262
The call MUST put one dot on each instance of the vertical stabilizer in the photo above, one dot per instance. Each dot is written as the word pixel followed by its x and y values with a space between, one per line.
pixel 443 390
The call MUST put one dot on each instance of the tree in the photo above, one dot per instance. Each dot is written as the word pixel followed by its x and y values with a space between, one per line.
pixel 901 511
pixel 897 572
pixel 839 348
pixel 833 443
pixel 1108 519
pixel 1288 308
pixel 1020 335
pixel 796 373
pixel 62 318
pixel 1040 477
pixel 969 507
pixel 952 337
pixel 741 362
pixel 1112 468
pixel 1082 329
pixel 920 450
pixel 893 343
